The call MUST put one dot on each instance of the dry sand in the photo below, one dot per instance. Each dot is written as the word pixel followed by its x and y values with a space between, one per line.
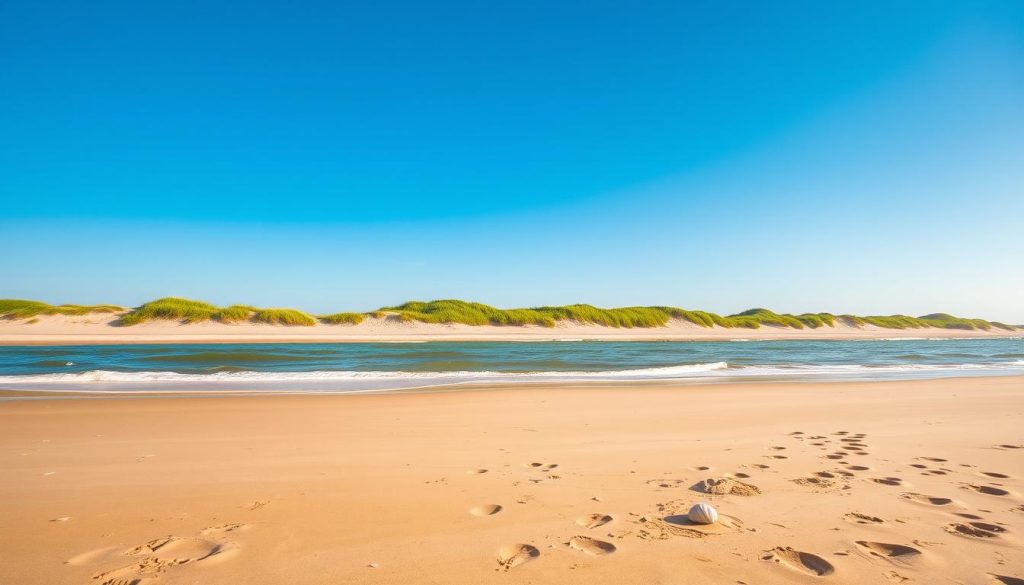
pixel 885 482
pixel 102 328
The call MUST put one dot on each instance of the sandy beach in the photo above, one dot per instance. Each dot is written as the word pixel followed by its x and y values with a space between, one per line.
pixel 102 328
pixel 884 482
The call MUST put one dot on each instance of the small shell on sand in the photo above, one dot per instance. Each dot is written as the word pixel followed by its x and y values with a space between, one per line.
pixel 703 514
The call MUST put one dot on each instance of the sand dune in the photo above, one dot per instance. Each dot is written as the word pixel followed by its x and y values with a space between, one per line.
pixel 102 328
pixel 548 484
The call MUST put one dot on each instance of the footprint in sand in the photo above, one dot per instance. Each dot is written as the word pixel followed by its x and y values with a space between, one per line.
pixel 665 483
pixel 799 561
pixel 1005 580
pixel 994 475
pixel 975 529
pixel 160 554
pixel 1009 446
pixel 726 486
pixel 819 483
pixel 858 518
pixel 485 510
pixel 934 459
pixel 593 520
pixel 968 516
pixel 511 556
pixel 986 489
pixel 897 553
pixel 177 550
pixel 222 529
pixel 476 471
pixel 888 481
pixel 142 573
pixel 591 546
pixel 923 499
pixel 540 466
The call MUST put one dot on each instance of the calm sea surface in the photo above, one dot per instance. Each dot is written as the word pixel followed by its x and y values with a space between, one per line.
pixel 358 367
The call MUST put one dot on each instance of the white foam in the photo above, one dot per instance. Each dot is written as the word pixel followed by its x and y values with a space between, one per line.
pixel 105 381
pixel 107 376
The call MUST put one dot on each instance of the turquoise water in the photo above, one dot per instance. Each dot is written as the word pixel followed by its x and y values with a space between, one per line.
pixel 357 367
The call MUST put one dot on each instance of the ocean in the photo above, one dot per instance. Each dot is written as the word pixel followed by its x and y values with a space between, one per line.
pixel 368 367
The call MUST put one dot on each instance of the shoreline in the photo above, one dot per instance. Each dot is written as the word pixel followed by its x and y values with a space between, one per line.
pixel 438 486
pixel 99 330
pixel 12 394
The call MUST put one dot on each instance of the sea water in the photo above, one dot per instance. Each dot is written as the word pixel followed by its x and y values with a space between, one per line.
pixel 362 367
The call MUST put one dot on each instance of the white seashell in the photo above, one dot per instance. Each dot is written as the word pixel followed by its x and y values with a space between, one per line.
pixel 703 514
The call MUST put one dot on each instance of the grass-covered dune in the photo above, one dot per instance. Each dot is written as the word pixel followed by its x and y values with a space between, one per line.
pixel 189 311
pixel 21 309
pixel 467 313
pixel 454 311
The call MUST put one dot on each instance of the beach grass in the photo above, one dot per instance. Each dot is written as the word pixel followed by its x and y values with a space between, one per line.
pixel 190 311
pixel 937 320
pixel 23 309
pixel 461 312
pixel 343 318
pixel 284 317
pixel 233 314
pixel 453 311
pixel 170 309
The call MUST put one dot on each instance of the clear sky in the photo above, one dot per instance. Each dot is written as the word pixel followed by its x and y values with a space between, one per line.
pixel 859 157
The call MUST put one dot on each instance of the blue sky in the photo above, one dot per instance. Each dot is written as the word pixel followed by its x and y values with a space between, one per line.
pixel 855 157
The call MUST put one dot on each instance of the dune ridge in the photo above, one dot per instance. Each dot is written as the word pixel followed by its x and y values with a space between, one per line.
pixel 183 321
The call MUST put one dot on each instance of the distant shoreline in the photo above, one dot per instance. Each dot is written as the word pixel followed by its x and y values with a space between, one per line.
pixel 102 329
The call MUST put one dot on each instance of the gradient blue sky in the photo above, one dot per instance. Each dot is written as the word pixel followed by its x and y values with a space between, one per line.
pixel 843 156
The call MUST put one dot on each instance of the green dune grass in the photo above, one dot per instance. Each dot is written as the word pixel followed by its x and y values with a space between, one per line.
pixel 283 317
pixel 455 311
pixel 451 311
pixel 189 311
pixel 343 318
pixel 21 309
pixel 171 309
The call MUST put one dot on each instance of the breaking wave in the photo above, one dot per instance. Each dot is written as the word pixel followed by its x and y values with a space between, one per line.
pixel 106 381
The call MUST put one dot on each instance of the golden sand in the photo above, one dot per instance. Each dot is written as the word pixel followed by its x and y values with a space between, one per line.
pixel 886 482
